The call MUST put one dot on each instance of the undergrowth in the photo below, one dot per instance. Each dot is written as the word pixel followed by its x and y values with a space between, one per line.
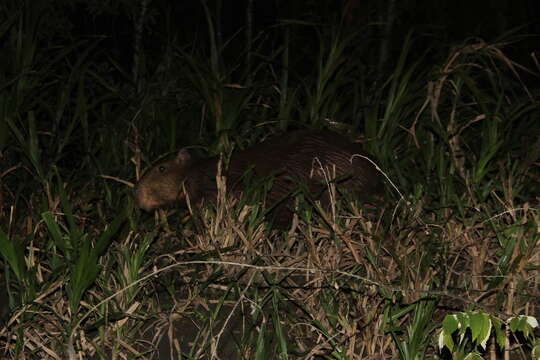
pixel 446 267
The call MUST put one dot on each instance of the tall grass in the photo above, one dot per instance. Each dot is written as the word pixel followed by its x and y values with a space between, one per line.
pixel 87 275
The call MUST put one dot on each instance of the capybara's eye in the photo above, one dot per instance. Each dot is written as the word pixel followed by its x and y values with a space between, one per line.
pixel 162 169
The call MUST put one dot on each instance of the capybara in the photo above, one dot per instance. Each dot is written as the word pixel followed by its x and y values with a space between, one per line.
pixel 303 159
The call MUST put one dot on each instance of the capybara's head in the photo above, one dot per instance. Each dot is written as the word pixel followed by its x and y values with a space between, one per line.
pixel 161 186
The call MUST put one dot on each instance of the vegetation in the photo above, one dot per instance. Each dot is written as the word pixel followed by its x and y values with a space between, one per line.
pixel 447 268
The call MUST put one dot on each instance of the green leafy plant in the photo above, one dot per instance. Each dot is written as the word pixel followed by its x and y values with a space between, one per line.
pixel 463 333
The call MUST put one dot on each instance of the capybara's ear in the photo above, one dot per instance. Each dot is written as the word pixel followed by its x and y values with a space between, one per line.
pixel 183 157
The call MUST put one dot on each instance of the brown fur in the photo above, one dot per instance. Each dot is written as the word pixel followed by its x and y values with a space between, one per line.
pixel 310 158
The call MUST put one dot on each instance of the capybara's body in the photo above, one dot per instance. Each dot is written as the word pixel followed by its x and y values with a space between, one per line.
pixel 304 159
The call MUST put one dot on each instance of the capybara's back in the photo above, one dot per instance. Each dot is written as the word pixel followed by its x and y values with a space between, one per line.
pixel 311 159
